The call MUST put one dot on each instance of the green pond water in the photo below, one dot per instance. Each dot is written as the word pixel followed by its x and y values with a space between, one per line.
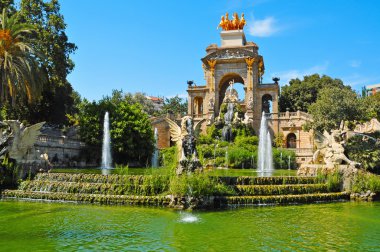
pixel 147 171
pixel 42 226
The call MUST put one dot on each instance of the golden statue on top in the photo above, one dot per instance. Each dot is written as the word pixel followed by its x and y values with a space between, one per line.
pixel 235 24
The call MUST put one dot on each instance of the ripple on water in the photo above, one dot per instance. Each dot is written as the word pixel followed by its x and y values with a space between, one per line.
pixel 188 218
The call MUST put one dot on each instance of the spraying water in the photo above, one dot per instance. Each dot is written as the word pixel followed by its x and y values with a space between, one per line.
pixel 265 159
pixel 155 153
pixel 106 149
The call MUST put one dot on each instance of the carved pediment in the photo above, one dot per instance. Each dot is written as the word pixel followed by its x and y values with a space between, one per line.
pixel 229 53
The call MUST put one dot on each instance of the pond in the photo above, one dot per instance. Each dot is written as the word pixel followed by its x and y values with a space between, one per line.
pixel 37 226
pixel 147 171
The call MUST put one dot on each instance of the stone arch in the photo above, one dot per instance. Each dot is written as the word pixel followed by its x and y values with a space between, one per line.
pixel 224 84
pixel 266 103
pixel 198 106
pixel 291 141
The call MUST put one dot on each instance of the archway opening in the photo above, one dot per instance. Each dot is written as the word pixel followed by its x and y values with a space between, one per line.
pixel 266 103
pixel 291 141
pixel 198 106
pixel 238 85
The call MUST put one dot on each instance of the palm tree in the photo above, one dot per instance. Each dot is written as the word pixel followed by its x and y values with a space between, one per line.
pixel 19 70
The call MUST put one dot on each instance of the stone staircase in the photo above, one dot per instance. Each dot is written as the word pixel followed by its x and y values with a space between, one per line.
pixel 143 190
pixel 91 188
pixel 278 190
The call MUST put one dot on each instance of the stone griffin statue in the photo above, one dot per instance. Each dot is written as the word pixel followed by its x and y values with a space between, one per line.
pixel 330 150
pixel 184 137
pixel 23 139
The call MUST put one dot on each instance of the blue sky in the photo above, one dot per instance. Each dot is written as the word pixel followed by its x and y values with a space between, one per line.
pixel 156 46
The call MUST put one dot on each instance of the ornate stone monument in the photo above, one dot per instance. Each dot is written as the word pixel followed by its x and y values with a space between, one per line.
pixel 236 59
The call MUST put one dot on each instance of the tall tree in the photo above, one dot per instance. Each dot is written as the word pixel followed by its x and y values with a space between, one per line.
pixel 131 130
pixel 333 106
pixel 300 94
pixel 52 42
pixel 19 69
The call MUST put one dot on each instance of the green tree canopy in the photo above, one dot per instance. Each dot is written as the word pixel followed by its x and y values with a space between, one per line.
pixel 300 94
pixel 57 98
pixel 371 104
pixel 131 130
pixel 19 71
pixel 175 105
pixel 333 105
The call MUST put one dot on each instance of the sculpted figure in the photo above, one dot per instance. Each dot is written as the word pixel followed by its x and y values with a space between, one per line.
pixel 247 120
pixel 236 119
pixel 330 149
pixel 211 104
pixel 227 23
pixel 368 127
pixel 23 138
pixel 250 103
pixel 222 23
pixel 184 137
pixel 242 22
pixel 235 22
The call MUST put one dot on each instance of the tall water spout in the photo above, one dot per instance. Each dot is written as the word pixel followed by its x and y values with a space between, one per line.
pixel 106 149
pixel 155 153
pixel 228 117
pixel 265 159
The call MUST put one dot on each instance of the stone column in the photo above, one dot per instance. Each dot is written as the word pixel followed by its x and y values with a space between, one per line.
pixel 249 99
pixel 211 75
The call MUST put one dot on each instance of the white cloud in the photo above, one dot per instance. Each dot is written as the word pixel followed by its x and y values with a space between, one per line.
pixel 287 75
pixel 356 80
pixel 263 28
pixel 355 63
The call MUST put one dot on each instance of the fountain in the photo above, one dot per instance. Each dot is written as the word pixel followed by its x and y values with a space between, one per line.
pixel 106 149
pixel 265 159
pixel 155 153
pixel 227 129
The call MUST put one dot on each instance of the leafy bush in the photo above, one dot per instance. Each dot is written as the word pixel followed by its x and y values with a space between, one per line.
pixel 279 162
pixel 239 157
pixel 363 182
pixel 220 161
pixel 8 173
pixel 198 184
pixel 168 157
pixel 247 142
pixel 121 169
pixel 205 139
pixel 333 180
pixel 365 151
pixel 205 151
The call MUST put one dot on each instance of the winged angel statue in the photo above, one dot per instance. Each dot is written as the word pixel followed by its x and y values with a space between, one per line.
pixel 330 150
pixel 184 137
pixel 23 139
